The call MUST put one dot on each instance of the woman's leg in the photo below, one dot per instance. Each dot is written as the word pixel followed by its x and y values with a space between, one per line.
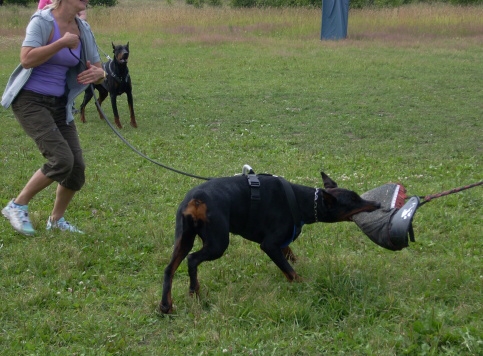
pixel 37 182
pixel 62 200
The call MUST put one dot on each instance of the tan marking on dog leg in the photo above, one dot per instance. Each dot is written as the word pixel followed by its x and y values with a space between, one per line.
pixel 289 255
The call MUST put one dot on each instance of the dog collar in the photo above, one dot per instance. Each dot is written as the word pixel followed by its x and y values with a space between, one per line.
pixel 316 197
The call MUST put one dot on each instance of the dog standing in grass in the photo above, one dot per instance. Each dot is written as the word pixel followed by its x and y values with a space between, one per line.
pixel 117 81
pixel 264 209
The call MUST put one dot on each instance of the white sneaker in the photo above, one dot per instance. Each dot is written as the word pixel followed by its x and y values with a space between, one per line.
pixel 18 215
pixel 62 225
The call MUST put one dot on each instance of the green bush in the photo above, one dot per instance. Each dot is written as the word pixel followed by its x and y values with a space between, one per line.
pixel 243 3
pixel 17 2
pixel 196 3
pixel 288 3
pixel 201 3
pixel 466 2
pixel 215 3
pixel 275 3
pixel 107 3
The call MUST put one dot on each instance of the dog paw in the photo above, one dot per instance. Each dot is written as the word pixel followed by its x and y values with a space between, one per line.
pixel 165 309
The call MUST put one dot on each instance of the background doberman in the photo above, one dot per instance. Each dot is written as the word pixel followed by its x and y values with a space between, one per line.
pixel 270 212
pixel 117 82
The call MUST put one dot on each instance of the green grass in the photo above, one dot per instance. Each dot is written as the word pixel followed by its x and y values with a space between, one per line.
pixel 399 101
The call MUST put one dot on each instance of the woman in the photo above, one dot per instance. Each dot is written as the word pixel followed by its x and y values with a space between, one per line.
pixel 41 91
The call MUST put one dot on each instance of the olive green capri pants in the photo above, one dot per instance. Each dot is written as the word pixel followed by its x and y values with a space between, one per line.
pixel 43 118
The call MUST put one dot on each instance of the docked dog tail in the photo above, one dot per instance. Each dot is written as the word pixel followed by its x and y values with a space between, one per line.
pixel 195 212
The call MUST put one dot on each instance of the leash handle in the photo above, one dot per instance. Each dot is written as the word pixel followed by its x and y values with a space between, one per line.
pixel 430 197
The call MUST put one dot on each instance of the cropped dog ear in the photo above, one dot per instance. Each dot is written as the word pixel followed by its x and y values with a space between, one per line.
pixel 329 200
pixel 328 183
pixel 113 47
pixel 127 46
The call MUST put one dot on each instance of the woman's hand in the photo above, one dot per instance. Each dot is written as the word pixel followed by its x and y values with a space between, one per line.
pixel 94 74
pixel 70 40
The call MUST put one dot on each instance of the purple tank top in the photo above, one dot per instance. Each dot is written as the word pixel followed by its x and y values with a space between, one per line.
pixel 49 78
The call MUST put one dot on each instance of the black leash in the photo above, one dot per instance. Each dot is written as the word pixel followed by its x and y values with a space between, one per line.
pixel 136 150
pixel 126 142
pixel 428 198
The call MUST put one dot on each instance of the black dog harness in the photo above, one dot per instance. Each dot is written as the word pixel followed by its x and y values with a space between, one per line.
pixel 294 210
pixel 254 184
pixel 108 68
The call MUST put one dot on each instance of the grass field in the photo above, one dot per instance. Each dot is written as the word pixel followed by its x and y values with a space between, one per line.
pixel 400 100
